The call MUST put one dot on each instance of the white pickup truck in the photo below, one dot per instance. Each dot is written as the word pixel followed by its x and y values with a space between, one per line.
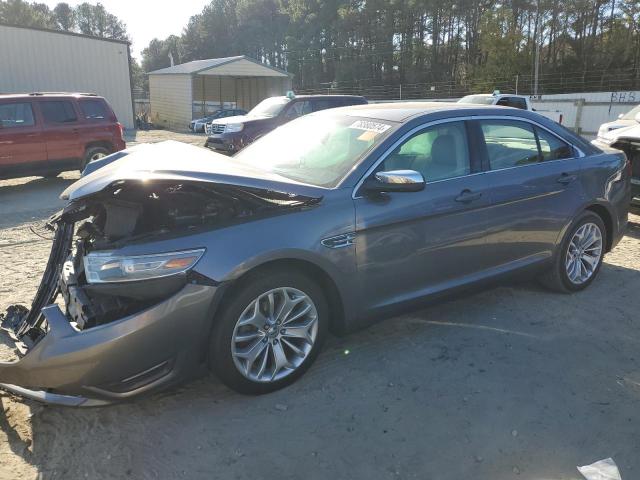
pixel 509 100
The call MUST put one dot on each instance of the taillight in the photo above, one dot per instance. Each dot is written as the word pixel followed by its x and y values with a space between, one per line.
pixel 121 128
pixel 561 118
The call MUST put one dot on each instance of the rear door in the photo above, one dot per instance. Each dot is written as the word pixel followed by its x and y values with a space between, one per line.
pixel 62 130
pixel 412 244
pixel 22 146
pixel 535 189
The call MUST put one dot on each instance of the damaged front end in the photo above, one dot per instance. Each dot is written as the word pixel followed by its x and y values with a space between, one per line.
pixel 631 147
pixel 107 324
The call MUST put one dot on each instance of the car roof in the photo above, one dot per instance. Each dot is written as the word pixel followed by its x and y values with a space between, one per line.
pixel 402 112
pixel 33 95
pixel 322 96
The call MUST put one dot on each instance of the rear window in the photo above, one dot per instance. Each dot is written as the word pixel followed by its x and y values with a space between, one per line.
pixel 94 109
pixel 58 111
pixel 16 115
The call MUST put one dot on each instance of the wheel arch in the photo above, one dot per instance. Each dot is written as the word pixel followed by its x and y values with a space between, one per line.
pixel 100 143
pixel 335 302
pixel 607 219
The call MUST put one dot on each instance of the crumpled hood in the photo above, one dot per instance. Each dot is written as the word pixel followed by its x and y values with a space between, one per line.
pixel 171 160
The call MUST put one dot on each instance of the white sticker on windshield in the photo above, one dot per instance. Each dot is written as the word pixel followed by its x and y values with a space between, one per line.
pixel 370 126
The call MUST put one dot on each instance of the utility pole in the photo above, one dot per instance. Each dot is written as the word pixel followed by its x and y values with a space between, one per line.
pixel 537 41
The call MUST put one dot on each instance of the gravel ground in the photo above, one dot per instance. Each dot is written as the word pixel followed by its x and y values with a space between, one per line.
pixel 512 382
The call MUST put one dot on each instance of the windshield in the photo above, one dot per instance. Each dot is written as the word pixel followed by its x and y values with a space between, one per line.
pixel 478 99
pixel 317 149
pixel 631 115
pixel 269 107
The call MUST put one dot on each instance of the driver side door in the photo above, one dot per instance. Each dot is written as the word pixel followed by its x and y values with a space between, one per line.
pixel 410 245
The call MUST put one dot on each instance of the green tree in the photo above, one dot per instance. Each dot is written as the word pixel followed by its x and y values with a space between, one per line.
pixel 64 16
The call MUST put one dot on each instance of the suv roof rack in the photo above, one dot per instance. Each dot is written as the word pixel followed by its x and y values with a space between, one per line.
pixel 39 94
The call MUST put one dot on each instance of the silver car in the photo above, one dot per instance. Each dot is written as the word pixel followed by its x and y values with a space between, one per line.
pixel 170 259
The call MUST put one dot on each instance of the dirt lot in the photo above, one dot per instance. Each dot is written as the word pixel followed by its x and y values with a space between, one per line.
pixel 513 382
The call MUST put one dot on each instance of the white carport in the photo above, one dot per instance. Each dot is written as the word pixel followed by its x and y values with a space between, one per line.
pixel 186 91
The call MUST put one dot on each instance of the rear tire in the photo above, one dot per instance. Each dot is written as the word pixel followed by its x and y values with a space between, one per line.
pixel 93 153
pixel 248 342
pixel 579 257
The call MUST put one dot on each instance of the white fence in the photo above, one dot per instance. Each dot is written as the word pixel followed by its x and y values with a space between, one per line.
pixel 581 112
pixel 585 112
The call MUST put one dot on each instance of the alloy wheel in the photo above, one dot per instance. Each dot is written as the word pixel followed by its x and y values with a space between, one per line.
pixel 97 156
pixel 274 334
pixel 584 253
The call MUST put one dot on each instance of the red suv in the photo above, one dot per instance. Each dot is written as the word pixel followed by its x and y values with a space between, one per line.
pixel 48 133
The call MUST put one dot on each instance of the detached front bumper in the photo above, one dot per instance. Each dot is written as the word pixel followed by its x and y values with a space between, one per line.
pixel 139 353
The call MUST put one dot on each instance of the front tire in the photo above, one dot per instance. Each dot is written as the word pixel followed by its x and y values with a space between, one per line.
pixel 269 333
pixel 580 256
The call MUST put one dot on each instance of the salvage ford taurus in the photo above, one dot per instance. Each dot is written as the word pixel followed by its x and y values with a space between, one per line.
pixel 170 259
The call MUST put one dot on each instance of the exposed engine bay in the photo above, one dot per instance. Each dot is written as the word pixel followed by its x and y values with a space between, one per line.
pixel 129 212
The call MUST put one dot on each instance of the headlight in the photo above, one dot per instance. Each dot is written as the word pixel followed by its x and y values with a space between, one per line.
pixel 234 127
pixel 104 267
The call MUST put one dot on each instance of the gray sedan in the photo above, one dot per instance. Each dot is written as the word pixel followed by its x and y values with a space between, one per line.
pixel 171 259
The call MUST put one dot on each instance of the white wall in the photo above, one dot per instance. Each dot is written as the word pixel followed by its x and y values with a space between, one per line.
pixel 596 109
pixel 37 61
pixel 170 96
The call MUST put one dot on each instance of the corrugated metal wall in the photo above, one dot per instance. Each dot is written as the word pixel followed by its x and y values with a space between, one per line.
pixel 170 97
pixel 34 60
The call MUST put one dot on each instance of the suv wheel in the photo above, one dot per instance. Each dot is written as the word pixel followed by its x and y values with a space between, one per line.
pixel 269 333
pixel 580 256
pixel 94 153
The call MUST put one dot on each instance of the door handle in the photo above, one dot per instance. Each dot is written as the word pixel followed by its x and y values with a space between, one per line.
pixel 566 179
pixel 467 196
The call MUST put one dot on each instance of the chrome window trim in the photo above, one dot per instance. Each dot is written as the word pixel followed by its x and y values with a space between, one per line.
pixel 424 126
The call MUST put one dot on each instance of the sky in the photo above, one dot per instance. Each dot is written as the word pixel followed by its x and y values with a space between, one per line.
pixel 148 19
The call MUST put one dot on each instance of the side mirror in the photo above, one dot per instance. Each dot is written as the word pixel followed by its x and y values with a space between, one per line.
pixel 395 181
pixel 621 115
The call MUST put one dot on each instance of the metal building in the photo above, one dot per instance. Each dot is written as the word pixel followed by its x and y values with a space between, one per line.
pixel 190 90
pixel 40 60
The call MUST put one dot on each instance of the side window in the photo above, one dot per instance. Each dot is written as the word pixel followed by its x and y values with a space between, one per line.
pixel 58 111
pixel 509 143
pixel 552 148
pixel 93 109
pixel 323 104
pixel 298 109
pixel 438 152
pixel 16 115
pixel 515 102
